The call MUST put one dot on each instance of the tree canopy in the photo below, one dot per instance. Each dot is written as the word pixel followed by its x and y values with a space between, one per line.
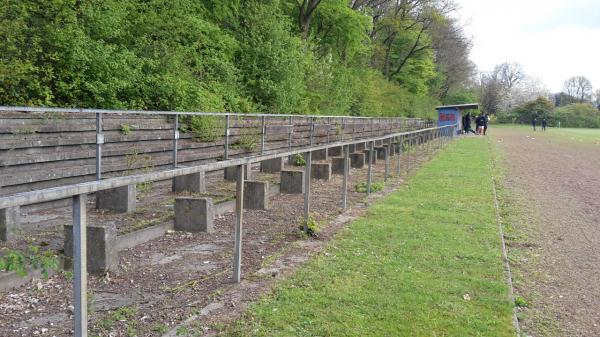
pixel 360 57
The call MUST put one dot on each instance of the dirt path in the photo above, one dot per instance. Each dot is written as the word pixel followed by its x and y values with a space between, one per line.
pixel 561 182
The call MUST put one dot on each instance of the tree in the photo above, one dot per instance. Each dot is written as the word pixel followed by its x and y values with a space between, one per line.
pixel 452 49
pixel 306 10
pixel 509 75
pixel 580 88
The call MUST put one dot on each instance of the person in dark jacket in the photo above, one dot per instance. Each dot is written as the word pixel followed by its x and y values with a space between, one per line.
pixel 544 123
pixel 533 120
pixel 467 123
pixel 485 123
pixel 479 124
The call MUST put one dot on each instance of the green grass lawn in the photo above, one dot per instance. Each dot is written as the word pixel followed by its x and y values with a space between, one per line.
pixel 579 135
pixel 424 261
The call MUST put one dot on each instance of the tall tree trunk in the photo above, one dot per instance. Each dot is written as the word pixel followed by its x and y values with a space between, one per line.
pixel 305 15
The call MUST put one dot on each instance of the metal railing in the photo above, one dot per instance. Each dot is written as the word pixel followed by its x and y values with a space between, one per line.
pixel 386 125
pixel 407 141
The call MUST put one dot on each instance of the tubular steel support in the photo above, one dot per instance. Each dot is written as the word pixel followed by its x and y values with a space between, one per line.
pixel 370 172
pixel 387 160
pixel 308 160
pixel 399 154
pixel 346 150
pixel 226 156
pixel 290 132
pixel 175 140
pixel 99 142
pixel 80 265
pixel 262 135
pixel 239 213
pixel 312 130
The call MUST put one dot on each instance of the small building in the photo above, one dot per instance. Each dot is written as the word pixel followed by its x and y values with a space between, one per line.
pixel 452 114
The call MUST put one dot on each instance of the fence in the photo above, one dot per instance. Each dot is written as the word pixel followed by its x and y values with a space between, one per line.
pixel 42 147
pixel 391 141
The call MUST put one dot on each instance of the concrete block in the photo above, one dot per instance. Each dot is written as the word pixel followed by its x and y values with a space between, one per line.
pixel 102 253
pixel 271 165
pixel 320 171
pixel 292 182
pixel 319 155
pixel 231 173
pixel 120 199
pixel 374 158
pixel 194 182
pixel 335 151
pixel 9 222
pixel 337 165
pixel 381 152
pixel 256 195
pixel 193 214
pixel 357 160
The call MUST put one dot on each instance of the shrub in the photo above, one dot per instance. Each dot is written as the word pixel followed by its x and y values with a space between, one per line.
pixel 376 186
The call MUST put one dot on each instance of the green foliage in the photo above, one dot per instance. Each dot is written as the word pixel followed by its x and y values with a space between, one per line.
pixel 521 302
pixel 464 96
pixel 204 128
pixel 208 56
pixel 18 261
pixel 247 140
pixel 362 187
pixel 298 160
pixel 125 129
pixel 577 115
pixel 312 226
pixel 540 107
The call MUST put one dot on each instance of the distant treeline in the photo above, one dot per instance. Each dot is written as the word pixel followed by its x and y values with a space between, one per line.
pixel 360 57
pixel 576 115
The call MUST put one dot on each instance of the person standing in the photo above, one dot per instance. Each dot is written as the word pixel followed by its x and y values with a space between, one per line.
pixel 533 120
pixel 467 123
pixel 544 122
pixel 486 119
pixel 479 124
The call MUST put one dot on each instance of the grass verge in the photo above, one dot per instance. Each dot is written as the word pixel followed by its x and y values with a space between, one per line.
pixel 424 261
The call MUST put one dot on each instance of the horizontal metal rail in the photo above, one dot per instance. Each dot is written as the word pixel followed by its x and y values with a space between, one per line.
pixel 158 112
pixel 62 192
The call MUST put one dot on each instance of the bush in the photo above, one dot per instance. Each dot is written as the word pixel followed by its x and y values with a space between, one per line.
pixel 578 115
pixel 376 186
pixel 298 160
pixel 204 128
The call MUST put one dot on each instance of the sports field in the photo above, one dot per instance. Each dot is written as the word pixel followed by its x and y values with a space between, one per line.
pixel 551 208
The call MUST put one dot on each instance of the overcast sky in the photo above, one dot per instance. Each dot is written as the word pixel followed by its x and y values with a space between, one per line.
pixel 552 39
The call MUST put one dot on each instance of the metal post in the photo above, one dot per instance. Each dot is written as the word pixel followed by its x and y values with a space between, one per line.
pixel 80 265
pixel 175 139
pixel 387 160
pixel 346 150
pixel 99 142
pixel 262 135
pixel 328 131
pixel 290 131
pixel 343 129
pixel 399 154
pixel 308 159
pixel 369 177
pixel 312 129
pixel 239 211
pixel 226 136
